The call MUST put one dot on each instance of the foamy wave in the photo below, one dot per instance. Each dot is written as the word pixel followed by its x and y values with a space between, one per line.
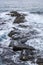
pixel 5 29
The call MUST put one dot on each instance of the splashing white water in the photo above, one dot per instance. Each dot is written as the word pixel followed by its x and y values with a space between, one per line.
pixel 34 21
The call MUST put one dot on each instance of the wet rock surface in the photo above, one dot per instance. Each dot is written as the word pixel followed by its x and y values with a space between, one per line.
pixel 19 19
pixel 40 61
pixel 26 55
pixel 22 46
pixel 14 13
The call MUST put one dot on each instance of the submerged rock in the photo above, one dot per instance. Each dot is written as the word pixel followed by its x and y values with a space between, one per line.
pixel 34 32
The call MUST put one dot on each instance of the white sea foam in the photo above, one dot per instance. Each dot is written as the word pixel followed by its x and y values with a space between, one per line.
pixel 29 63
pixel 6 28
pixel 36 22
pixel 1 50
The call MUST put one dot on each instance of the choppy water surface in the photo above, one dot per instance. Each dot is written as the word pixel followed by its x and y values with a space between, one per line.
pixel 34 21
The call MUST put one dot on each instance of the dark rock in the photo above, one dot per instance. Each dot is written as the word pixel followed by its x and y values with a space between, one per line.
pixel 14 13
pixel 40 64
pixel 13 32
pixel 18 36
pixel 18 45
pixel 31 57
pixel 25 55
pixel 19 19
pixel 39 61
pixel 21 47
pixel 11 44
pixel 23 26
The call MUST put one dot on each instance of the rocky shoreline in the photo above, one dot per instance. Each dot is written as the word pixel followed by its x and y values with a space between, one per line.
pixel 17 44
